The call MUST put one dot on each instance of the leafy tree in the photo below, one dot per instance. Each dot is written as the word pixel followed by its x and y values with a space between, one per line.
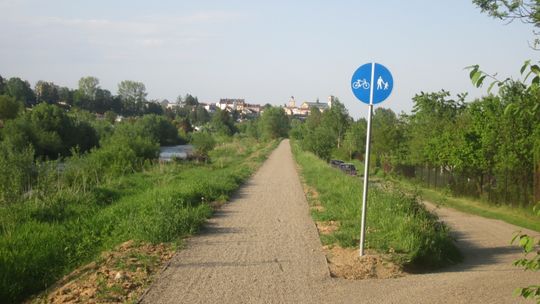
pixel 88 87
pixel 153 107
pixel 197 115
pixel 20 90
pixel 65 94
pixel 133 96
pixel 46 92
pixel 354 141
pixel 2 85
pixel 527 11
pixel 159 129
pixel 274 123
pixel 222 123
pixel 9 107
pixel 337 120
pixel 50 131
pixel 191 100
pixel 386 135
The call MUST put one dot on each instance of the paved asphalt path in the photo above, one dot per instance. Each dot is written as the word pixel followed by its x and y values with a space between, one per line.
pixel 263 247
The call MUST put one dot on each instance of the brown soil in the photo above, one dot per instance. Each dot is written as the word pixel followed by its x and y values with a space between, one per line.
pixel 327 227
pixel 119 276
pixel 346 263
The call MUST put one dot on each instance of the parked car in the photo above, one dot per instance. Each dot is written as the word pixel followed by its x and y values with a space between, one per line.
pixel 348 168
pixel 336 162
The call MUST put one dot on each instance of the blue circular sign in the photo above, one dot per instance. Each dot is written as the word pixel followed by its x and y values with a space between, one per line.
pixel 372 83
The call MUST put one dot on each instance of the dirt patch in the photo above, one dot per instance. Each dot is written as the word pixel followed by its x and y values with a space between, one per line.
pixel 347 264
pixel 118 276
pixel 327 227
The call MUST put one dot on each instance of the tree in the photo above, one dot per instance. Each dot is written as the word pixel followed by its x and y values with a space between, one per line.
pixel 20 90
pixel 133 95
pixel 386 136
pixel 46 92
pixel 2 85
pixel 9 107
pixel 274 123
pixel 159 129
pixel 337 120
pixel 527 11
pixel 222 123
pixel 153 107
pixel 88 87
pixel 65 94
pixel 355 138
pixel 190 101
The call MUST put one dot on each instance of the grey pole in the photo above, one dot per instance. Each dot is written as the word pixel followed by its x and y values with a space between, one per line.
pixel 366 164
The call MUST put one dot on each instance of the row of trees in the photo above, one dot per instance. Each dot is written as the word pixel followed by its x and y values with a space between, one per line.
pixel 131 98
pixel 488 147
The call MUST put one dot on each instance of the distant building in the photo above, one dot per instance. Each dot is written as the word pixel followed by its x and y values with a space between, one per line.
pixel 209 107
pixel 231 104
pixel 305 108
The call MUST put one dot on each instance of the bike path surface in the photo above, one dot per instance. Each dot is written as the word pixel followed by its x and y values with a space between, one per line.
pixel 263 247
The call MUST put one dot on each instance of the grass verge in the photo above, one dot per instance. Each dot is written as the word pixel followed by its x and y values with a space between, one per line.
pixel 40 241
pixel 516 216
pixel 396 223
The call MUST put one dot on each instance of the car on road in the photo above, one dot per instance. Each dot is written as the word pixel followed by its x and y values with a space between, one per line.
pixel 348 168
pixel 336 163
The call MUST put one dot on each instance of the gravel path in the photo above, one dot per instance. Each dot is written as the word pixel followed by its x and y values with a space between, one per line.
pixel 264 248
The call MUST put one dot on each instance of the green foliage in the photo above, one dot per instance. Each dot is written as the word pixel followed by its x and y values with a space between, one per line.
pixel 46 92
pixel 50 131
pixel 160 129
pixel 46 236
pixel 222 123
pixel 203 142
pixel 133 95
pixel 528 244
pixel 9 107
pixel 274 123
pixel 527 11
pixel 17 172
pixel 396 222
pixel 20 90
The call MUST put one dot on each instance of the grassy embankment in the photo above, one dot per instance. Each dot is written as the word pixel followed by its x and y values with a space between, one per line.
pixel 396 223
pixel 517 216
pixel 40 242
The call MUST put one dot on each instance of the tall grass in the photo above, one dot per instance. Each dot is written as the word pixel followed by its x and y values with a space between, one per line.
pixel 396 223
pixel 45 237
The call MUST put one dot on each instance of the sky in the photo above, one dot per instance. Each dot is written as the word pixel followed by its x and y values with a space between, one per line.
pixel 262 51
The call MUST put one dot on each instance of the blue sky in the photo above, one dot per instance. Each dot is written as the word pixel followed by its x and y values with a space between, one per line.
pixel 263 51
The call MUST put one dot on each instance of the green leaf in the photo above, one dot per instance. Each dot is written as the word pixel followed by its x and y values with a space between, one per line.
pixel 525 65
pixel 475 78
pixel 508 109
pixel 481 80
pixel 535 69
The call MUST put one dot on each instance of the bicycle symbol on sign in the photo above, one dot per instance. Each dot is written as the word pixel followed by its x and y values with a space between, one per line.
pixel 361 83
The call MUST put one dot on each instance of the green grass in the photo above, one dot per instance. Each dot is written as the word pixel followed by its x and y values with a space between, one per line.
pixel 41 240
pixel 396 223
pixel 517 216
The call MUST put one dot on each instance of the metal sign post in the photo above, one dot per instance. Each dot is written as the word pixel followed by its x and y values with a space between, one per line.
pixel 367 93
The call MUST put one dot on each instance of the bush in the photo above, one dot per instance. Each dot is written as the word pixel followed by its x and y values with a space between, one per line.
pixel 203 142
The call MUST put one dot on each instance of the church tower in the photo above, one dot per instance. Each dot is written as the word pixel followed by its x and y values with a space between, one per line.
pixel 292 102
